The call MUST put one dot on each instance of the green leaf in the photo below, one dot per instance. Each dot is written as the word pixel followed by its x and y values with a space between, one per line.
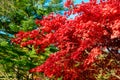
pixel 3 43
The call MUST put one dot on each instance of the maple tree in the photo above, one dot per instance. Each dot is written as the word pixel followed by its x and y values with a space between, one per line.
pixel 95 30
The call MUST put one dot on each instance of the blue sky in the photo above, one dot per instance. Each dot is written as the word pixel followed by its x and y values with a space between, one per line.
pixel 76 1
pixel 79 1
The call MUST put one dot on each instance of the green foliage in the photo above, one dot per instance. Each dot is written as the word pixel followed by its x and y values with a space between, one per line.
pixel 16 15
pixel 16 60
pixel 28 24
pixel 17 12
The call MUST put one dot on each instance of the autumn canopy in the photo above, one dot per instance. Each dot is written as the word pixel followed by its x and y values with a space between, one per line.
pixel 94 30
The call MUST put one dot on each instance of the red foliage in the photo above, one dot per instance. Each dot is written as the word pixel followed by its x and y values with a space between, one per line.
pixel 80 40
pixel 68 3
